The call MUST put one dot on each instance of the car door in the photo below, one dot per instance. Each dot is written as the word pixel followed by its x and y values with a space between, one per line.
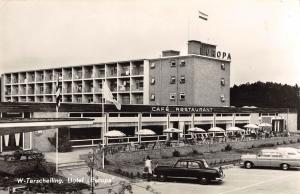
pixel 263 159
pixel 194 169
pixel 179 170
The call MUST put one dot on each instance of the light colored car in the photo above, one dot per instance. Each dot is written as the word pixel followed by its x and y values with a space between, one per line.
pixel 270 158
pixel 292 152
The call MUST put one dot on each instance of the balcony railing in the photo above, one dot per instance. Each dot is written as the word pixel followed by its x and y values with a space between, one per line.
pixel 49 78
pixel 78 75
pixel 124 89
pixel 48 90
pixel 78 89
pixel 88 90
pixel 8 80
pixel 138 72
pixel 15 91
pixel 88 74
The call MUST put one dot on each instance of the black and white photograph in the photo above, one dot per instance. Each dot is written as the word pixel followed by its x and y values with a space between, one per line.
pixel 149 96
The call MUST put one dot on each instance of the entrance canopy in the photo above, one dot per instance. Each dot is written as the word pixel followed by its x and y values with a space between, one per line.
pixel 21 125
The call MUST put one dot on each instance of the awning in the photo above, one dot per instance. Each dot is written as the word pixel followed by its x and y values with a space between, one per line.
pixel 11 126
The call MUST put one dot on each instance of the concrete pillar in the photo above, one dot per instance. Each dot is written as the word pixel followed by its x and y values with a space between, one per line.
pixel 233 119
pixel 214 120
pixel 193 120
pixel 181 126
pixel 139 127
pixel 169 125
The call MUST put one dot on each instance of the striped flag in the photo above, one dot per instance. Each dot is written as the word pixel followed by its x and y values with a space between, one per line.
pixel 107 95
pixel 58 94
pixel 203 15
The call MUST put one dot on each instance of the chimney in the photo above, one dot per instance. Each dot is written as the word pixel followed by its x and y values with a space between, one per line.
pixel 168 53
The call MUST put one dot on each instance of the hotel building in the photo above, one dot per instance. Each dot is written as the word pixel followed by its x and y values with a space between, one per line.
pixel 199 78
pixel 170 91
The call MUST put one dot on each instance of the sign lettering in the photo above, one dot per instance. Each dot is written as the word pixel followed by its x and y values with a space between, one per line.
pixel 181 109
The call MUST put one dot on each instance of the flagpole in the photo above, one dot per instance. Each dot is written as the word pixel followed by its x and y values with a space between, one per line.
pixel 56 145
pixel 103 129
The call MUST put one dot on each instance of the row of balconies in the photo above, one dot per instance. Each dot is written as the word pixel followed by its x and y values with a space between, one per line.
pixel 67 90
pixel 112 70
pixel 86 98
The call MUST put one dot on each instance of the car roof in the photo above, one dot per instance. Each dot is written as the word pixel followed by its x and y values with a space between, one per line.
pixel 190 159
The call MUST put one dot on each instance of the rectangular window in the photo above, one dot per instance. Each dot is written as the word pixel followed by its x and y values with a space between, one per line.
pixel 173 64
pixel 172 79
pixel 222 82
pixel 223 66
pixel 182 79
pixel 152 97
pixel 152 81
pixel 182 96
pixel 182 63
pixel 172 96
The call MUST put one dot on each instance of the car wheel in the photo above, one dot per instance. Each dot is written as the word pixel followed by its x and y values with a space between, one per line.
pixel 284 166
pixel 203 181
pixel 161 177
pixel 248 165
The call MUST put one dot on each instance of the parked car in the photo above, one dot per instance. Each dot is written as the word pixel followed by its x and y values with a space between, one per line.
pixel 190 168
pixel 269 158
pixel 292 152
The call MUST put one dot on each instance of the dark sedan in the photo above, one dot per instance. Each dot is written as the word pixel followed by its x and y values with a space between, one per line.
pixel 190 168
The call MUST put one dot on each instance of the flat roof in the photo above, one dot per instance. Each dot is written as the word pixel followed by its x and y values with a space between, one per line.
pixel 13 107
pixel 21 125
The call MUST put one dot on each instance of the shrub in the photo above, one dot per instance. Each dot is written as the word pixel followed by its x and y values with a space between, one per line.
pixel 284 142
pixel 131 175
pixel 291 141
pixel 106 162
pixel 195 152
pixel 118 171
pixel 176 153
pixel 298 140
pixel 64 145
pixel 138 175
pixel 228 147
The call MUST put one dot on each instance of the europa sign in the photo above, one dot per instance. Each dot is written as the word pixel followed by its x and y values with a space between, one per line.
pixel 223 55
pixel 181 109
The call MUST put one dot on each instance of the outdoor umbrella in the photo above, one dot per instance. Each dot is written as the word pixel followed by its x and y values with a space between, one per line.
pixel 196 130
pixel 114 133
pixel 251 126
pixel 145 132
pixel 172 130
pixel 265 125
pixel 216 129
pixel 234 129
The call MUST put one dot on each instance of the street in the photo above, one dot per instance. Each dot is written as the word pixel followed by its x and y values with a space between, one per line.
pixel 237 181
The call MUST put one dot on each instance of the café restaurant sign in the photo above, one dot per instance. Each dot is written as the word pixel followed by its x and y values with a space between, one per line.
pixel 181 109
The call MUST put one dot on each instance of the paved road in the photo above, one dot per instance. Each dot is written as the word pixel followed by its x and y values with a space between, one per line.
pixel 237 181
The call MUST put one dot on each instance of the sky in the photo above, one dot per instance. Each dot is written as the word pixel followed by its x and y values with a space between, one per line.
pixel 262 36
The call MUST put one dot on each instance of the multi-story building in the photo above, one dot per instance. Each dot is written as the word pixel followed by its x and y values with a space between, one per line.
pixel 170 91
pixel 198 78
